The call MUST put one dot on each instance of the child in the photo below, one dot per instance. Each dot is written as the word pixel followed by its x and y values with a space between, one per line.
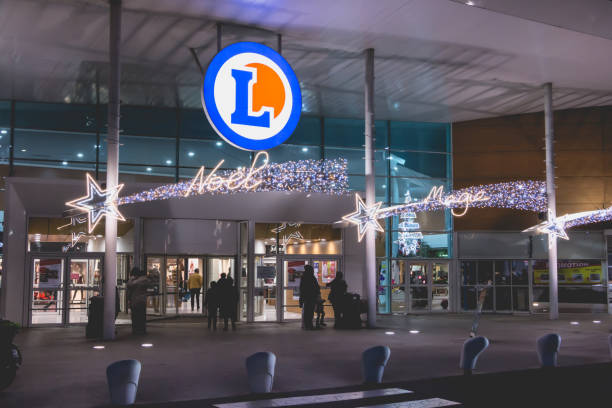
pixel 320 310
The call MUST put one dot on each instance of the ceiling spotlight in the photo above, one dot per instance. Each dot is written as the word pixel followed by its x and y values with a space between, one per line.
pixel 79 155
pixel 191 154
pixel 414 332
pixel 390 333
pixel 219 143
pixel 574 323
pixel 98 347
pixel 304 149
pixel 24 150
pixel 596 321
pixel 168 161
pixel 536 304
pixel 149 169
pixel 3 131
pixel 469 3
pixel 146 345
pixel 64 163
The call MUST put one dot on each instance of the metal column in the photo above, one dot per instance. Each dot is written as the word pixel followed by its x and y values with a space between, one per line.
pixel 552 202
pixel 370 193
pixel 251 271
pixel 112 169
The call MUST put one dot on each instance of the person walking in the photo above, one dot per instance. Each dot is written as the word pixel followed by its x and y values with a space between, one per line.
pixel 309 292
pixel 336 296
pixel 211 301
pixel 137 300
pixel 194 284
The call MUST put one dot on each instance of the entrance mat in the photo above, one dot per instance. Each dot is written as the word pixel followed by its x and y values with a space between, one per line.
pixel 315 399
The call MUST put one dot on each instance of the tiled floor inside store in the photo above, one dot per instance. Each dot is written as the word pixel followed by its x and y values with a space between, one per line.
pixel 186 361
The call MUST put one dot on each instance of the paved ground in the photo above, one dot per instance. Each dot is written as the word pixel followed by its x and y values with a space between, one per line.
pixel 189 362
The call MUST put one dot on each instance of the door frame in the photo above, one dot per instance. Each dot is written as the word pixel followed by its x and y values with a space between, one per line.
pixel 280 281
pixel 204 272
pixel 65 286
pixel 428 264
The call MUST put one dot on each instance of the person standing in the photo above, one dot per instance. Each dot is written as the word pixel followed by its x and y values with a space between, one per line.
pixel 211 301
pixel 194 284
pixel 227 300
pixel 336 296
pixel 309 292
pixel 137 300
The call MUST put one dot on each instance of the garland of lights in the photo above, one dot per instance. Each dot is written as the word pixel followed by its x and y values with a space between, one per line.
pixel 309 176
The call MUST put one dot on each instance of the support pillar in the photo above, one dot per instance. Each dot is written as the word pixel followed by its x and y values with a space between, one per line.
pixel 552 201
pixel 112 169
pixel 251 271
pixel 370 193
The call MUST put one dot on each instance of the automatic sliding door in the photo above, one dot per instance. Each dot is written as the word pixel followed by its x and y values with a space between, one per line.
pixel 155 269
pixel 193 265
pixel 265 301
pixel 419 279
pixel 325 272
pixel 439 287
pixel 293 271
pixel 84 280
pixel 48 300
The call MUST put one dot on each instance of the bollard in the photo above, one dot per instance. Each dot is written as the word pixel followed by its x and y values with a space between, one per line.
pixel 472 348
pixel 122 377
pixel 548 349
pixel 260 370
pixel 374 360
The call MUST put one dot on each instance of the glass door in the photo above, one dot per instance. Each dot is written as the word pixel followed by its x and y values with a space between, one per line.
pixel 265 299
pixel 174 268
pixel 84 281
pixel 325 271
pixel 155 271
pixel 48 300
pixel 193 265
pixel 418 276
pixel 293 271
pixel 439 287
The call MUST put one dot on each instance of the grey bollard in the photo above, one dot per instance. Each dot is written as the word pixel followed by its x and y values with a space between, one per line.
pixel 122 377
pixel 548 349
pixel 260 370
pixel 470 352
pixel 374 361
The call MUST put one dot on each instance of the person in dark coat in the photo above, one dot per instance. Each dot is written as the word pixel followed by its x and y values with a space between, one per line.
pixel 338 290
pixel 137 300
pixel 309 293
pixel 227 300
pixel 211 302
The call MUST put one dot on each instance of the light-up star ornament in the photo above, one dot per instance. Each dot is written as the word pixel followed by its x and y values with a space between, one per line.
pixel 554 227
pixel 97 203
pixel 365 217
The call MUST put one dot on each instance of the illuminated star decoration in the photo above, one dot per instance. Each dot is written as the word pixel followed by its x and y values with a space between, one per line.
pixel 294 235
pixel 97 203
pixel 364 217
pixel 284 225
pixel 554 227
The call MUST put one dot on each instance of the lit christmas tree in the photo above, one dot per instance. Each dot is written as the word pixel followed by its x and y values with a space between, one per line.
pixel 409 236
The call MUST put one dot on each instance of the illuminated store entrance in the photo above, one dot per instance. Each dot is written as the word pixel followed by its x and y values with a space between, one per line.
pixel 171 274
pixel 419 286
pixel 61 287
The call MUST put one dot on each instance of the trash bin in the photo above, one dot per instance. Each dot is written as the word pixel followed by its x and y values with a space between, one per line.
pixel 95 318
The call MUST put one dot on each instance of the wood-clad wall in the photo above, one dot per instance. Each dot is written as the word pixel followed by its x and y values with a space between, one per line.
pixel 512 148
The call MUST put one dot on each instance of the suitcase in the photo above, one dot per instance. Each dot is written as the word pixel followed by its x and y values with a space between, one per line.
pixel 95 318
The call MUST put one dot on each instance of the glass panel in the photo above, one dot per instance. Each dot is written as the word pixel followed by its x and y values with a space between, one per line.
pixel 265 289
pixel 307 132
pixel 55 148
pixel 432 245
pixel 194 125
pixel 285 153
pixel 520 298
pixel 502 272
pixel 398 273
pixel 192 298
pixel 217 266
pixel 301 239
pixel 426 220
pixel 56 116
pixel 419 187
pixel 485 272
pixel 173 290
pixel 398 299
pixel 431 137
pixel 292 310
pixel 503 298
pixel 592 294
pixel 520 272
pixel 468 272
pixel 325 271
pixel 439 299
pixel 418 298
pixel 85 282
pixel 152 151
pixel 491 244
pixel 423 165
pixel 149 121
pixel 197 153
pixel 468 298
pixel 356 161
pixel 418 274
pixel 350 133
pixel 47 291
pixel 154 272
pixel 440 274
pixel 293 271
pixel 578 272
pixel 383 296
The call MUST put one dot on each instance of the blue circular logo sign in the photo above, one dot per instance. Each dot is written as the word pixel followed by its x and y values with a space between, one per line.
pixel 251 96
